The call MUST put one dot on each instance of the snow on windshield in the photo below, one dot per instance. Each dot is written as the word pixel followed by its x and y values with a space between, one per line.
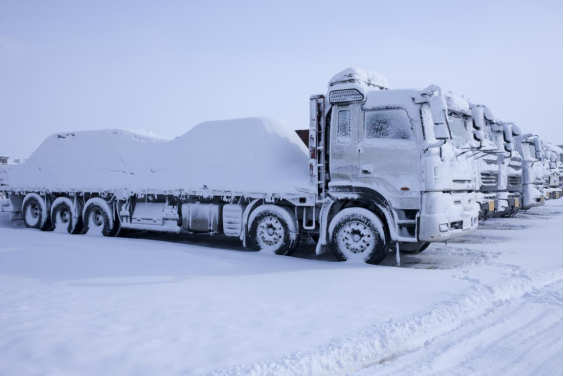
pixel 532 150
pixel 389 123
pixel 458 129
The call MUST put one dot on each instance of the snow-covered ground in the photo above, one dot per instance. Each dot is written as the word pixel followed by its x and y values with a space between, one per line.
pixel 144 304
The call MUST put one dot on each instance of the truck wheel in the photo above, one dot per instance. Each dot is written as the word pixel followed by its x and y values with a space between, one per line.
pixel 414 248
pixel 98 219
pixel 358 234
pixel 274 229
pixel 35 212
pixel 62 216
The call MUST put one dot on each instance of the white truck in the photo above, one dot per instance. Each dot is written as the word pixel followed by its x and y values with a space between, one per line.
pixel 381 173
pixel 551 161
pixel 529 146
pixel 506 183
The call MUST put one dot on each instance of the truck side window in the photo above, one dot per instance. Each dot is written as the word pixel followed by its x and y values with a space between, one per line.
pixel 344 126
pixel 389 123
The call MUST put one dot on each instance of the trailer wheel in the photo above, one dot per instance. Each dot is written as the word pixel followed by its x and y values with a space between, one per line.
pixel 414 248
pixel 274 229
pixel 358 234
pixel 64 218
pixel 35 212
pixel 98 219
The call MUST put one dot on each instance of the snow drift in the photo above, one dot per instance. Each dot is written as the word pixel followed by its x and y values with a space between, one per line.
pixel 242 155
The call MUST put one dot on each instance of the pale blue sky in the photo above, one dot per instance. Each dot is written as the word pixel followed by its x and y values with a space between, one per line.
pixel 168 65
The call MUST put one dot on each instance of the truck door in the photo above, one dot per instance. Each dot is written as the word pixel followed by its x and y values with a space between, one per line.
pixel 389 156
pixel 344 163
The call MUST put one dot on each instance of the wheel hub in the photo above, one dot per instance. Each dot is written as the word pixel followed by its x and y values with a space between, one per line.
pixel 98 218
pixel 34 210
pixel 270 231
pixel 65 216
pixel 356 237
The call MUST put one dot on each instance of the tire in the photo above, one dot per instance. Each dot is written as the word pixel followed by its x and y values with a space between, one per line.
pixel 274 229
pixel 414 248
pixel 357 233
pixel 97 218
pixel 35 212
pixel 63 213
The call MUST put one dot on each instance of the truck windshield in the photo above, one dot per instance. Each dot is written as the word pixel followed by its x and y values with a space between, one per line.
pixel 532 150
pixel 458 129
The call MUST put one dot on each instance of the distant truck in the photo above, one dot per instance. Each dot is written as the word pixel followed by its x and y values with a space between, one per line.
pixel 529 147
pixel 552 170
pixel 382 172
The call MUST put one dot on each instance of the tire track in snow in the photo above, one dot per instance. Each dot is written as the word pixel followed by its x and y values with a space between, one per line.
pixel 386 341
pixel 518 334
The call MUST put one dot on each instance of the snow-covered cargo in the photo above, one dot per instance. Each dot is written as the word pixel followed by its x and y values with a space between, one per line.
pixel 381 173
pixel 243 155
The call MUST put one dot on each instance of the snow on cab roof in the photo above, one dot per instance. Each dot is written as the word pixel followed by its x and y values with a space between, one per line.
pixel 457 103
pixel 360 76
pixel 243 155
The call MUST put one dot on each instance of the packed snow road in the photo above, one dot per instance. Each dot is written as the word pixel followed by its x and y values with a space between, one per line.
pixel 145 304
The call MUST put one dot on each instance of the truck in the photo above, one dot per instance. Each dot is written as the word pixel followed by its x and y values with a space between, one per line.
pixel 477 148
pixel 381 173
pixel 508 186
pixel 529 147
pixel 551 161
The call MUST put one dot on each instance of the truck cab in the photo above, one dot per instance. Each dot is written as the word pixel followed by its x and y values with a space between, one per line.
pixel 398 149
pixel 529 147
pixel 502 134
pixel 552 172
pixel 477 147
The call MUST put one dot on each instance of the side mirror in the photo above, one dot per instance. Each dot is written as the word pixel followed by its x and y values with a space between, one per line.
pixel 439 114
pixel 488 114
pixel 478 136
pixel 478 117
pixel 516 130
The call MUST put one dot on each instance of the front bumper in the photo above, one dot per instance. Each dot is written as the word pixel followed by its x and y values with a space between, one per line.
pixel 508 203
pixel 487 202
pixel 532 196
pixel 447 215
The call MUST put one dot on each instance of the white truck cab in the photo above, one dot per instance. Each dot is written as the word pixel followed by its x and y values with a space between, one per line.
pixel 397 149
pixel 480 149
pixel 551 166
pixel 502 134
pixel 529 147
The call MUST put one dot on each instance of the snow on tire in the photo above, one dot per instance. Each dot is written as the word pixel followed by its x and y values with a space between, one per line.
pixel 98 219
pixel 65 217
pixel 35 212
pixel 274 229
pixel 358 234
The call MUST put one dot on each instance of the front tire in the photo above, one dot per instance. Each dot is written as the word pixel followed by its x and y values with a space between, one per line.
pixel 274 229
pixel 358 234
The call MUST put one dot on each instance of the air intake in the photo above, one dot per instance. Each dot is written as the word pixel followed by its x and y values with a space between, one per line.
pixel 347 95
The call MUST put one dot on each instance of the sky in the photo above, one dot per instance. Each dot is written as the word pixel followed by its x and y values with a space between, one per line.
pixel 166 66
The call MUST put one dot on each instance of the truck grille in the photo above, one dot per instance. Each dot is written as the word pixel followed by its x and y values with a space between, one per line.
pixel 514 180
pixel 489 179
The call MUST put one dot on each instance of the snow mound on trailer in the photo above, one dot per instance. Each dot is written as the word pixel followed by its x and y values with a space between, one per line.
pixel 242 155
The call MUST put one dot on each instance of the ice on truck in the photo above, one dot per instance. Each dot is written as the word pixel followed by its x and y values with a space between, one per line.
pixel 242 155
